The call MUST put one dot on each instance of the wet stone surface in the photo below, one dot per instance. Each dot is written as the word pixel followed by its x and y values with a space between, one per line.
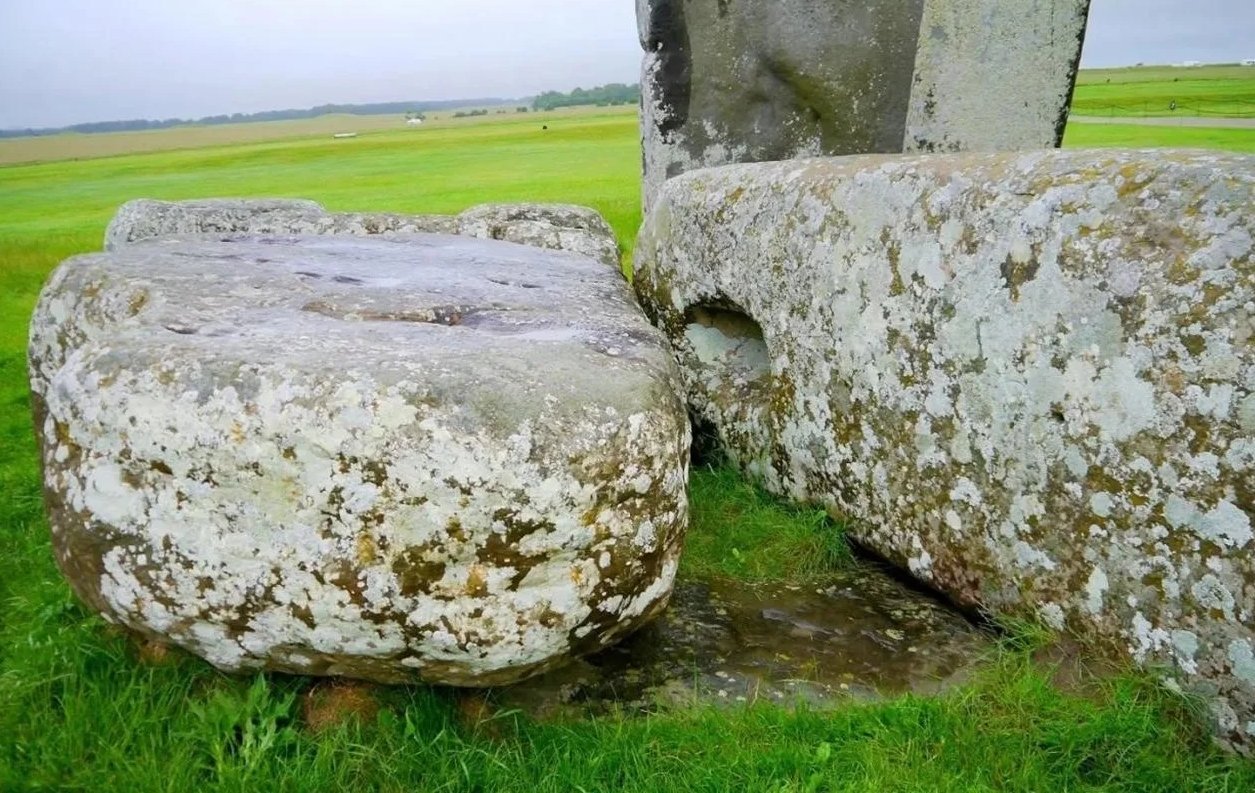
pixel 862 635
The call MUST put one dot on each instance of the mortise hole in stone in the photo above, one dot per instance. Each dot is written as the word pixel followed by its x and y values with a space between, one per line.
pixel 728 341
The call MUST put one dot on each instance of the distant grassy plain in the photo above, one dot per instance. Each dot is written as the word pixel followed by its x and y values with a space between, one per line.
pixel 73 146
pixel 80 710
pixel 1227 91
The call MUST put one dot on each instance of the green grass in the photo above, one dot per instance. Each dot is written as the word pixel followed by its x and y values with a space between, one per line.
pixel 737 531
pixel 103 723
pixel 1164 74
pixel 1081 136
pixel 79 712
pixel 1150 91
pixel 593 156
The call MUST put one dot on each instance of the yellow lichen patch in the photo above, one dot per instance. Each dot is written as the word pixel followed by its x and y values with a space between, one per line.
pixel 366 551
pixel 1133 179
pixel 137 302
pixel 476 582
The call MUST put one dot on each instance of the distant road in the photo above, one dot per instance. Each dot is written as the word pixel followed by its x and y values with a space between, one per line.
pixel 1174 121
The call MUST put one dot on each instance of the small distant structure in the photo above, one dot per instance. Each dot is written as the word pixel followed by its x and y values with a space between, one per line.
pixel 1249 62
pixel 414 122
pixel 343 135
pixel 1191 64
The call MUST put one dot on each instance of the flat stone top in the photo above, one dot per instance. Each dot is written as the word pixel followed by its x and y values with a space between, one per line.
pixel 456 313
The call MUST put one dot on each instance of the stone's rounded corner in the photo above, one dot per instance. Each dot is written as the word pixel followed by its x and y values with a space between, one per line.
pixel 567 227
pixel 565 215
pixel 121 226
pixel 145 218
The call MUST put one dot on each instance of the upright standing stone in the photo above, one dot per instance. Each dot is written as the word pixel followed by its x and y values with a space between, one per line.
pixel 752 80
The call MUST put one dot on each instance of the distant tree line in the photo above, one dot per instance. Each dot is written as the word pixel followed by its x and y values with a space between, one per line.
pixel 602 96
pixel 409 109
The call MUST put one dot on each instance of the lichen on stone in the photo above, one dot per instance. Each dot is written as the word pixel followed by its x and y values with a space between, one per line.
pixel 417 458
pixel 1026 376
pixel 559 227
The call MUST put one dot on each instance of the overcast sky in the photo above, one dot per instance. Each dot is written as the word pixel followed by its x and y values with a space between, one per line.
pixel 70 61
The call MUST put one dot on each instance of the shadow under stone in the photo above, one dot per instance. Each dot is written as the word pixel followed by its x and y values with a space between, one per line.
pixel 862 635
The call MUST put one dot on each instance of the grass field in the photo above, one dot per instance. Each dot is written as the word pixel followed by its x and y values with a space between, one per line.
pixel 79 146
pixel 81 710
pixel 1227 91
pixel 1080 136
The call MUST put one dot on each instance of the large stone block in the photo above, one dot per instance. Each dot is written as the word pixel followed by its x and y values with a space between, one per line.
pixel 757 80
pixel 560 227
pixel 421 458
pixel 1030 378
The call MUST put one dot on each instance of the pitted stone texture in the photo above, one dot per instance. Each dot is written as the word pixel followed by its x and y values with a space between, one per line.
pixel 145 219
pixel 1030 377
pixel 422 458
pixel 561 227
pixel 760 80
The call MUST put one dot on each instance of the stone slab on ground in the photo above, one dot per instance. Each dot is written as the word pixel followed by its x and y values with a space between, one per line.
pixel 761 80
pixel 562 227
pixel 420 458
pixel 1029 377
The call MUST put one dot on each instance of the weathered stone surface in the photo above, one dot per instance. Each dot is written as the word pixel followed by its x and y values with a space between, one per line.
pixel 1029 376
pixel 144 218
pixel 561 227
pixel 758 80
pixel 994 75
pixel 428 457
